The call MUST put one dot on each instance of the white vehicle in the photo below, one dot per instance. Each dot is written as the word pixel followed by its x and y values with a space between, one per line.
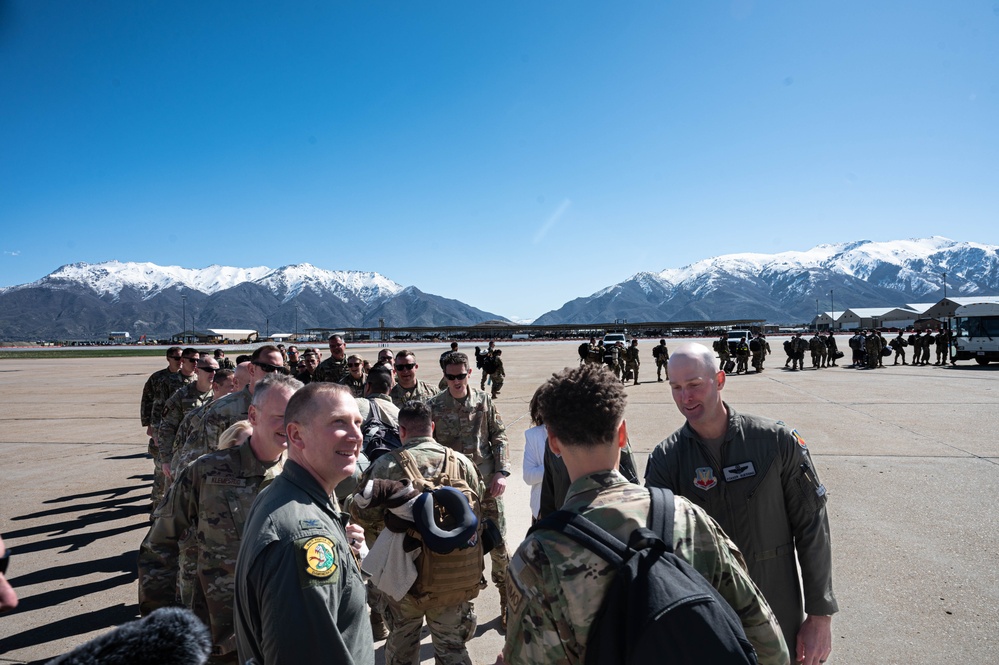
pixel 735 336
pixel 610 339
pixel 977 329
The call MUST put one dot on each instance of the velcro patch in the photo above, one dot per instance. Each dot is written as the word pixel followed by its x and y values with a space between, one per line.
pixel 227 481
pixel 310 524
pixel 320 557
pixel 739 471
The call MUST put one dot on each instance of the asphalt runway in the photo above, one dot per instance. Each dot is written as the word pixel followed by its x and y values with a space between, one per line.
pixel 909 456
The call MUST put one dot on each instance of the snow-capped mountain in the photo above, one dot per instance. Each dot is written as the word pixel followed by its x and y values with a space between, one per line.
pixel 85 301
pixel 784 287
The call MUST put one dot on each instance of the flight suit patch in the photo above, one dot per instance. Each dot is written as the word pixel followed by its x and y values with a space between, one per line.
pixel 704 478
pixel 320 565
pixel 739 471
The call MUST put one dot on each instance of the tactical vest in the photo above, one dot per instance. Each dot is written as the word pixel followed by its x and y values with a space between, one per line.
pixel 444 579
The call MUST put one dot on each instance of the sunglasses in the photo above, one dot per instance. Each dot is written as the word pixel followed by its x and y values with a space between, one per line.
pixel 455 377
pixel 267 367
pixel 208 369
pixel 175 357
pixel 353 364
pixel 191 360
pixel 405 367
pixel 3 562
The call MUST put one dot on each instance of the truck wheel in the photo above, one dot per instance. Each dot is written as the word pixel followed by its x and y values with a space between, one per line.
pixel 982 361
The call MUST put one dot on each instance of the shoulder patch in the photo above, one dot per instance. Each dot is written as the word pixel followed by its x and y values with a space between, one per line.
pixel 799 439
pixel 310 524
pixel 320 557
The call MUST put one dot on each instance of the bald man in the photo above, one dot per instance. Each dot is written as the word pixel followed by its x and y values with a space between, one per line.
pixel 747 472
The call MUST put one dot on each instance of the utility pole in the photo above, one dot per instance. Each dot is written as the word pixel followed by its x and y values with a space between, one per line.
pixel 184 325
pixel 832 310
pixel 816 326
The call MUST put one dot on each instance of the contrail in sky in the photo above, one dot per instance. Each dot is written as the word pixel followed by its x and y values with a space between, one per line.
pixel 551 221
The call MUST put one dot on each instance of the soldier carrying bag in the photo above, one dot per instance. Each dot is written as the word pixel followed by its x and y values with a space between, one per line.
pixel 657 606
pixel 452 577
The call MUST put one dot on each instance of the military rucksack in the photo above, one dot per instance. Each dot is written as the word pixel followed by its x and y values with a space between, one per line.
pixel 657 608
pixel 755 346
pixel 453 578
pixel 379 436
pixel 584 351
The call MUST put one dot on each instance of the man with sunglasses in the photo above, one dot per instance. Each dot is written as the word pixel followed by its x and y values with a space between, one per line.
pixel 221 415
pixel 310 361
pixel 354 379
pixel 408 387
pixel 466 420
pixel 183 400
pixel 162 390
pixel 333 368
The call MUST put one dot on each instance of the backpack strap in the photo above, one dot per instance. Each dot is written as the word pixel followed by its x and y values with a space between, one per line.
pixel 409 465
pixel 661 515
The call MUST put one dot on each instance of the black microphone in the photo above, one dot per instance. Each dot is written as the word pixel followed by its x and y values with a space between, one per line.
pixel 168 636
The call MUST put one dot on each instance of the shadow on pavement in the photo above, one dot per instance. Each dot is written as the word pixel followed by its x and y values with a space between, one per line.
pixel 76 625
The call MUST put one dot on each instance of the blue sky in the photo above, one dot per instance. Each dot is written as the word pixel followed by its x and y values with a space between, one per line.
pixel 511 155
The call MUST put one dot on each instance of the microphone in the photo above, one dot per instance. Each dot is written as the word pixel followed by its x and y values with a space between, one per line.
pixel 168 636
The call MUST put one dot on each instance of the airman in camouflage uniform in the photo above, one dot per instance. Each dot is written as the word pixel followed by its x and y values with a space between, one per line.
pixel 556 586
pixel 724 352
pixel 333 368
pixel 756 347
pixel 612 358
pixel 595 355
pixel 184 400
pixel 211 500
pixel 149 391
pixel 498 375
pixel 354 378
pixel 873 347
pixel 818 350
pixel 163 389
pixel 661 354
pixel 466 420
pixel 632 363
pixel 451 626
pixel 224 363
pixel 742 356
pixel 408 387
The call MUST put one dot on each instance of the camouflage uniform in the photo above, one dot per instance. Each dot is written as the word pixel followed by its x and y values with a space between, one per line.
pixel 163 389
pixel 331 370
pixel 818 348
pixel 742 357
pixel 661 359
pixel 612 358
pixel 474 428
pixel 632 362
pixel 356 385
pixel 225 363
pixel 179 405
pixel 421 392
pixel 211 498
pixel 451 626
pixel 498 376
pixel 724 352
pixel 873 347
pixel 799 345
pixel 942 339
pixel 556 587
pixel 189 426
pixel 218 416
pixel 149 396
pixel 595 354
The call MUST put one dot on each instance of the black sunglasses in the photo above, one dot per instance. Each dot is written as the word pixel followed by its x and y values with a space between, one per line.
pixel 175 357
pixel 455 377
pixel 267 367
pixel 3 562
pixel 208 369
pixel 405 367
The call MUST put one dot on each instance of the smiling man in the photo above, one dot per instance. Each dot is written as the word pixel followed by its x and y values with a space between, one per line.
pixel 207 508
pixel 756 478
pixel 299 593
pixel 408 387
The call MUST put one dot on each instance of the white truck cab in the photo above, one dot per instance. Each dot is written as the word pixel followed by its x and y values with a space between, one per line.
pixel 977 332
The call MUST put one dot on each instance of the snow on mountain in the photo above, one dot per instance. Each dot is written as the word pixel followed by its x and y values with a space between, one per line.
pixel 148 279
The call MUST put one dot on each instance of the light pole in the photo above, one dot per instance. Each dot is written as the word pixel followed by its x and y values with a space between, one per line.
pixel 832 310
pixel 948 319
pixel 183 327
pixel 816 326
pixel 296 322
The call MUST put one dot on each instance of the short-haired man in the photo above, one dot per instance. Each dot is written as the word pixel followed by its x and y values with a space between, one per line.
pixel 556 586
pixel 164 389
pixel 661 354
pixel 149 392
pixel 354 378
pixel 451 621
pixel 310 361
pixel 452 349
pixel 212 498
pixel 299 592
pixel 385 357
pixel 407 387
pixel 222 414
pixel 756 478
pixel 223 384
pixel 293 359
pixel 188 397
pixel 224 363
pixel 466 420
pixel 333 368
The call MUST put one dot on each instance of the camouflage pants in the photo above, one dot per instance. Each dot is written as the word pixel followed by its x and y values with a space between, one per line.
pixel 482 383
pixel 633 367
pixel 492 508
pixel 758 361
pixel 159 480
pixel 450 628
pixel 497 385
pixel 722 359
pixel 661 367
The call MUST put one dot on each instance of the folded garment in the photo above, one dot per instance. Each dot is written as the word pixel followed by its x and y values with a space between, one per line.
pixel 392 569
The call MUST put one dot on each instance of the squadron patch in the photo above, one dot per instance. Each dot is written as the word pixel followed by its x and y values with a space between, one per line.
pixel 801 441
pixel 739 471
pixel 320 557
pixel 704 478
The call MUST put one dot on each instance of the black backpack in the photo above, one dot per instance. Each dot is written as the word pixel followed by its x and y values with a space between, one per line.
pixel 584 351
pixel 379 436
pixel 658 608
pixel 755 345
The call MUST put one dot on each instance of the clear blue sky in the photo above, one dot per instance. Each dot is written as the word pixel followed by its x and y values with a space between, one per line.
pixel 512 155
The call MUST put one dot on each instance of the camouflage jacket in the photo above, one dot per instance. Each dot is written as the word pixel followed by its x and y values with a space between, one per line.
pixel 555 587
pixel 225 363
pixel 219 416
pixel 331 370
pixel 167 385
pixel 631 354
pixel 663 354
pixel 429 458
pixel 189 427
pixel 149 395
pixel 474 428
pixel 179 405
pixel 421 392
pixel 212 498
pixel 356 385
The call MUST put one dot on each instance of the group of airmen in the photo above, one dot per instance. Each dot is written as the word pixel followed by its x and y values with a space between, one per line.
pixel 276 579
pixel 268 511
pixel 623 360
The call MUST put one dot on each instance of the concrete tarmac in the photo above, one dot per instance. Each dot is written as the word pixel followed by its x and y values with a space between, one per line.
pixel 909 456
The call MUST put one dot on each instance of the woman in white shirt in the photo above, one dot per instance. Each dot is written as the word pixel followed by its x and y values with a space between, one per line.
pixel 536 440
